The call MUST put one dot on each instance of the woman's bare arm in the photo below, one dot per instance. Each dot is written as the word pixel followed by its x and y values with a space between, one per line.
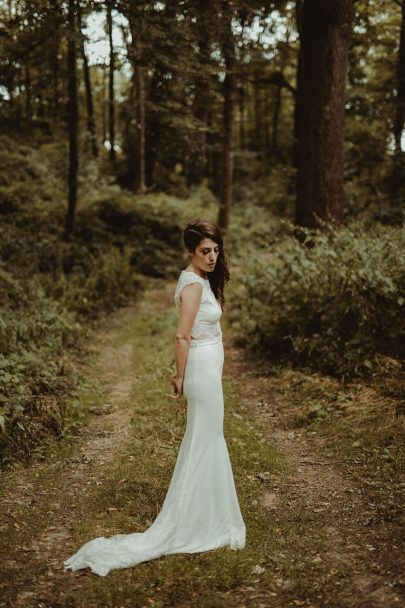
pixel 190 299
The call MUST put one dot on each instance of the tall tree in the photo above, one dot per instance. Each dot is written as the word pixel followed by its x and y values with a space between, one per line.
pixel 103 103
pixel 73 117
pixel 399 117
pixel 198 161
pixel 91 123
pixel 325 30
pixel 111 98
pixel 138 79
pixel 229 88
pixel 28 92
pixel 54 57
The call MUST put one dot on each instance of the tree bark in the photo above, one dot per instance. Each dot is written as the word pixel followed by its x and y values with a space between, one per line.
pixel 273 145
pixel 28 92
pixel 111 100
pixel 228 50
pixel 399 118
pixel 242 104
pixel 258 113
pixel 103 103
pixel 139 184
pixel 73 117
pixel 280 83
pixel 325 32
pixel 199 163
pixel 91 124
pixel 54 59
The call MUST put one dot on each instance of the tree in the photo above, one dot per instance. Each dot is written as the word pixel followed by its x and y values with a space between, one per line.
pixel 111 99
pixel 54 57
pixel 228 50
pixel 399 115
pixel 91 124
pixel 325 31
pixel 73 117
pixel 135 19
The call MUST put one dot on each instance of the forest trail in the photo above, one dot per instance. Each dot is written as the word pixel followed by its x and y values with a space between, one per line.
pixel 308 542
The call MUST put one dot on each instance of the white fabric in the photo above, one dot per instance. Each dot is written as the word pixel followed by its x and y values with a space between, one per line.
pixel 206 328
pixel 200 511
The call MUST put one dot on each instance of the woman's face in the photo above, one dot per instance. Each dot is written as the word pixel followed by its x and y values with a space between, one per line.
pixel 205 255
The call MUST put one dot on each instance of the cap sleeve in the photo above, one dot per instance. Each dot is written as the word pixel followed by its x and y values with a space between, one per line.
pixel 188 278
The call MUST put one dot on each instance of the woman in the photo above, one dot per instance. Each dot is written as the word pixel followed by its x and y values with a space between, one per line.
pixel 201 510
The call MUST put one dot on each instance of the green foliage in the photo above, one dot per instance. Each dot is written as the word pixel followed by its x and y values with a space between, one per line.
pixel 33 331
pixel 51 287
pixel 40 318
pixel 335 301
pixel 151 232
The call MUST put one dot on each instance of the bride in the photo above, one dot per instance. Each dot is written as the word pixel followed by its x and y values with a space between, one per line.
pixel 200 511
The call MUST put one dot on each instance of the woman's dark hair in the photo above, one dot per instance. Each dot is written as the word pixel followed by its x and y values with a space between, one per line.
pixel 194 232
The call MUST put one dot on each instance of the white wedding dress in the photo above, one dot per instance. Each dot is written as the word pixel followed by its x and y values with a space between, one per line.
pixel 200 511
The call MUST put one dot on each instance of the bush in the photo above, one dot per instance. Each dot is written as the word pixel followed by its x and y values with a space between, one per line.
pixel 51 286
pixel 335 302
pixel 34 329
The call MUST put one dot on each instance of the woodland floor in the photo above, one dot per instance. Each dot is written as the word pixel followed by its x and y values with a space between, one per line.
pixel 324 526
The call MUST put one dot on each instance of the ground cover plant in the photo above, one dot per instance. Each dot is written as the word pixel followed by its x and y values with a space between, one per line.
pixel 334 300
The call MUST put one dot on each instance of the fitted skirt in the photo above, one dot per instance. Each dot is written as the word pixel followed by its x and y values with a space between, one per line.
pixel 200 511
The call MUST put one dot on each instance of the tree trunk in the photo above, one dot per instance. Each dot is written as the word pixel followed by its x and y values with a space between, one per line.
pixel 55 77
pixel 276 120
pixel 278 102
pixel 54 60
pixel 241 92
pixel 91 124
pixel 41 105
pixel 399 118
pixel 258 113
pixel 73 116
pixel 325 33
pixel 228 50
pixel 111 100
pixel 103 106
pixel 242 98
pixel 139 184
pixel 28 92
pixel 199 161
pixel 216 188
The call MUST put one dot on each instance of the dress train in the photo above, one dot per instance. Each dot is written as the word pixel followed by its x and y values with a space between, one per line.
pixel 200 511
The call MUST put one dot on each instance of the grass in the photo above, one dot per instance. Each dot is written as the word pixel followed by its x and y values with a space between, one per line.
pixel 134 488
pixel 361 424
pixel 157 428
pixel 125 494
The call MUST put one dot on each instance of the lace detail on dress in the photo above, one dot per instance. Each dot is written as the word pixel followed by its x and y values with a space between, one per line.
pixel 206 328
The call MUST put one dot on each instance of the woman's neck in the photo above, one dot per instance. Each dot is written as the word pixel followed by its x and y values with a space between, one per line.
pixel 193 269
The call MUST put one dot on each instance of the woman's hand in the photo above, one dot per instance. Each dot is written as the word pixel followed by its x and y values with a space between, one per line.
pixel 177 383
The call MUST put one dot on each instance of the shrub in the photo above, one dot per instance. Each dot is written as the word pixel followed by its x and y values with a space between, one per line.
pixel 51 286
pixel 335 301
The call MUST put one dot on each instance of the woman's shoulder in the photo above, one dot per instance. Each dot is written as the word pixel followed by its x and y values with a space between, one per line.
pixel 193 274
pixel 187 277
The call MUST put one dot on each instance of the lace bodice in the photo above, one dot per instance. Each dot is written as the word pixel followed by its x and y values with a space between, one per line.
pixel 206 328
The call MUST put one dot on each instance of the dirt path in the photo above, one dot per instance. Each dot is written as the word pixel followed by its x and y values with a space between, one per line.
pixel 325 555
pixel 26 491
pixel 358 565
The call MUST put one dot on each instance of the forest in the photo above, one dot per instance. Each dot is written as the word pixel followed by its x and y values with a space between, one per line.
pixel 282 122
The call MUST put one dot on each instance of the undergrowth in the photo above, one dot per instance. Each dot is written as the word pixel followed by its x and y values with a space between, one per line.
pixel 334 302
